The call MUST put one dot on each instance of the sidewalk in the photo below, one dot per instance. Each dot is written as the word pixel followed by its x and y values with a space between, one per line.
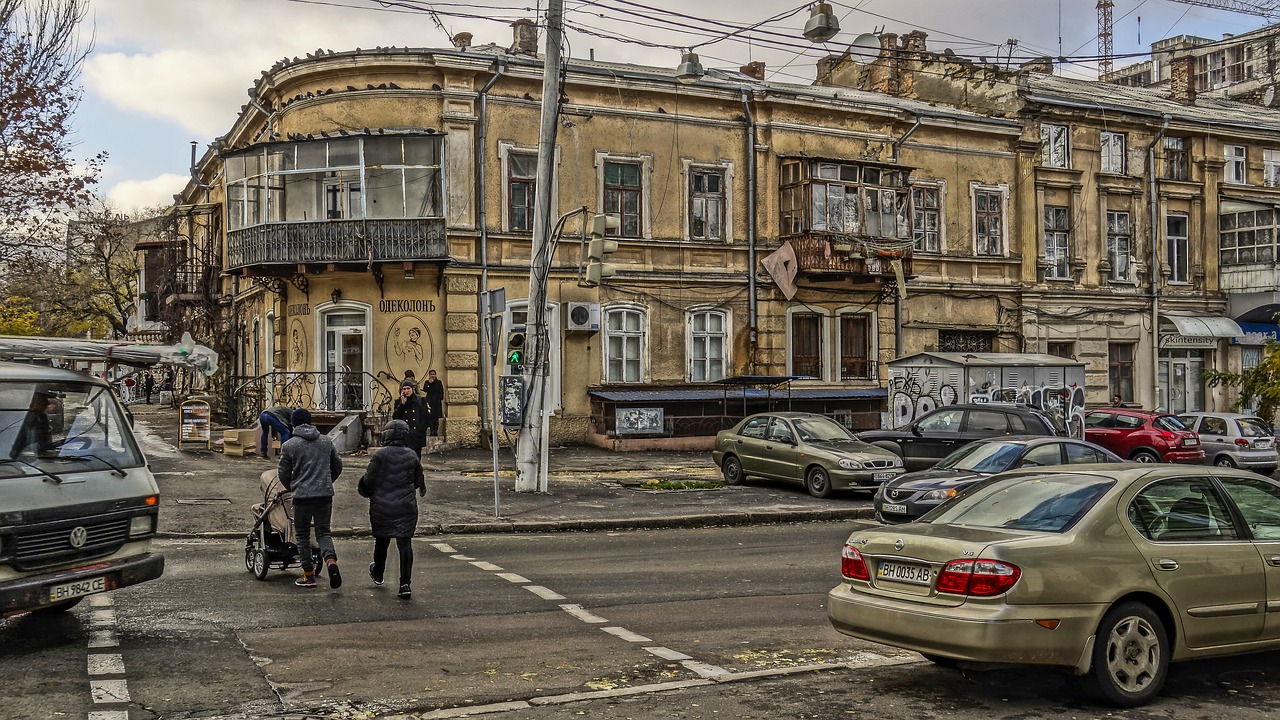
pixel 206 494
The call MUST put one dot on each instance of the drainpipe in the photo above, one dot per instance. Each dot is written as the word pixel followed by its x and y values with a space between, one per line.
pixel 1154 272
pixel 752 318
pixel 897 302
pixel 897 144
pixel 482 215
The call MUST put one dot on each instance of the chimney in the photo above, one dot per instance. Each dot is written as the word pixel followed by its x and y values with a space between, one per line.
pixel 755 69
pixel 882 75
pixel 462 40
pixel 1182 80
pixel 1042 65
pixel 525 34
pixel 826 67
pixel 913 47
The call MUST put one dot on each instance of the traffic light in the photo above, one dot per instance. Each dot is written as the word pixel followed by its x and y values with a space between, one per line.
pixel 598 248
pixel 515 347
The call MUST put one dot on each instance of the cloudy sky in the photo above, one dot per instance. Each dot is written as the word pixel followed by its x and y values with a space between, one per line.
pixel 164 73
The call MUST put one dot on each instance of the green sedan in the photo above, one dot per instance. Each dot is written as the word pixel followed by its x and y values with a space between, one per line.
pixel 803 447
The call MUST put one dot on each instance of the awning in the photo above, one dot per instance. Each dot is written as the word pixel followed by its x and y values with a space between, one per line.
pixel 1204 326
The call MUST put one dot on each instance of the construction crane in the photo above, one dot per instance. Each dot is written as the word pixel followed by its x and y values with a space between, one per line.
pixel 1269 9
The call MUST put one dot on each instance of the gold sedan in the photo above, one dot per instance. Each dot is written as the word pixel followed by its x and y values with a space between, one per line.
pixel 1112 571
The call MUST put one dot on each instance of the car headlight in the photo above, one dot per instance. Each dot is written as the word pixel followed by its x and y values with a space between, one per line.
pixel 141 525
pixel 940 494
pixel 848 464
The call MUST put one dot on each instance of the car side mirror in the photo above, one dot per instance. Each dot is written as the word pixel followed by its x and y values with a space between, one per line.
pixel 915 430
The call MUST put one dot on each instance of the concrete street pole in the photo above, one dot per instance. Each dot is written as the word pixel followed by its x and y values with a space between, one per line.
pixel 537 364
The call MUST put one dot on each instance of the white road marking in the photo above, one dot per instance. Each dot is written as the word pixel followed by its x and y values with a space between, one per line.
pixel 106 664
pixel 583 615
pixel 102 639
pixel 486 566
pixel 705 670
pixel 544 593
pixel 667 653
pixel 101 600
pixel 461 557
pixel 105 616
pixel 512 577
pixel 626 634
pixel 109 715
pixel 109 691
pixel 443 547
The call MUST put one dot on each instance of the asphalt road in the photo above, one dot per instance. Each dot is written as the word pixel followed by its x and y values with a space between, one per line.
pixel 721 622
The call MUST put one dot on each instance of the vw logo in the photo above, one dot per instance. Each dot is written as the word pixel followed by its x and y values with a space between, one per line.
pixel 78 536
pixel 899 544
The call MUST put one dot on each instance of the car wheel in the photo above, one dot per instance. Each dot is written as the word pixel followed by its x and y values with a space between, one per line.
pixel 1225 461
pixel 818 482
pixel 260 564
pixel 1145 456
pixel 732 470
pixel 1130 656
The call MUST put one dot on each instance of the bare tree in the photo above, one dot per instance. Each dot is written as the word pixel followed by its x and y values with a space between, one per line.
pixel 40 60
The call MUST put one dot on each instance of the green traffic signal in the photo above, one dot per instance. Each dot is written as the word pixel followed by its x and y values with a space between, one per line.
pixel 515 357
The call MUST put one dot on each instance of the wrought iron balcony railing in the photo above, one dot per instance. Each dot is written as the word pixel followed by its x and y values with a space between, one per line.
pixel 832 255
pixel 337 241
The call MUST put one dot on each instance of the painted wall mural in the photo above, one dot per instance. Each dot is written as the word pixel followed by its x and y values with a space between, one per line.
pixel 409 346
pixel 299 350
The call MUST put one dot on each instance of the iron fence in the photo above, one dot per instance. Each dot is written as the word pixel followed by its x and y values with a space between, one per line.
pixel 335 391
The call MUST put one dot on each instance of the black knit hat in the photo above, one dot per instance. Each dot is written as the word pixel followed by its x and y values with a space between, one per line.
pixel 301 416
pixel 408 384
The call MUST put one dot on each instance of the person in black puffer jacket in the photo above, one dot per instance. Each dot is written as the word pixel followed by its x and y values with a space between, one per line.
pixel 393 473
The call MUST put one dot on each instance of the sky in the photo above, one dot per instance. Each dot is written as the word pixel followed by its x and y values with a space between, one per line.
pixel 165 73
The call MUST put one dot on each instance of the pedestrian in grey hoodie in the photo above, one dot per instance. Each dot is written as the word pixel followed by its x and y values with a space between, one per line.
pixel 309 464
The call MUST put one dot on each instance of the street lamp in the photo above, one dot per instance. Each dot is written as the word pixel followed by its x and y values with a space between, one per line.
pixel 689 70
pixel 823 23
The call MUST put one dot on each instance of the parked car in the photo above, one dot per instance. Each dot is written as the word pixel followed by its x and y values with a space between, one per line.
pixel 1109 571
pixel 804 447
pixel 933 436
pixel 1234 440
pixel 1143 435
pixel 909 496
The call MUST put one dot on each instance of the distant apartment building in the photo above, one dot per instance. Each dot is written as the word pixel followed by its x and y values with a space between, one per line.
pixel 1240 67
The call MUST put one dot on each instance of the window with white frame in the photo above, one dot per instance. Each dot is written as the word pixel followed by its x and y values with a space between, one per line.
pixel 988 220
pixel 1053 146
pixel 1234 171
pixel 926 201
pixel 1119 245
pixel 842 197
pixel 708 331
pixel 1057 255
pixel 1271 168
pixel 706 204
pixel 1113 151
pixel 522 171
pixel 624 197
pixel 1247 233
pixel 1177 247
pixel 624 345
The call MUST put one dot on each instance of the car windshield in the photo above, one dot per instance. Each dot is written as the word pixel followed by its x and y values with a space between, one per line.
pixel 1045 503
pixel 821 429
pixel 62 427
pixel 1169 423
pixel 1253 427
pixel 990 457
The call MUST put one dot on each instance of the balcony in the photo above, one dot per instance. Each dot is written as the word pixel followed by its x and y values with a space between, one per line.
pixel 337 241
pixel 821 255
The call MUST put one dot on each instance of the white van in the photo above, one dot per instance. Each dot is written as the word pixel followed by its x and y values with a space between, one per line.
pixel 78 504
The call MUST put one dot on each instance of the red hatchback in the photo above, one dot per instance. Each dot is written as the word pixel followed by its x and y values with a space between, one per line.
pixel 1143 436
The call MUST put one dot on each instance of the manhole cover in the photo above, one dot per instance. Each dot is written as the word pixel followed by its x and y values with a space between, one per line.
pixel 203 501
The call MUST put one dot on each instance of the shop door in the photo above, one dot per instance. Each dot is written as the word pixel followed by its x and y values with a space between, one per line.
pixel 343 380
pixel 1181 380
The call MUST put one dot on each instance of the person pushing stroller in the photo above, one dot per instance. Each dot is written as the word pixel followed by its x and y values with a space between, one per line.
pixel 393 473
pixel 309 464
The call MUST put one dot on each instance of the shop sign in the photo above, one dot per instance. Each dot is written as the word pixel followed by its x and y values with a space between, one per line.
pixel 1256 334
pixel 298 309
pixel 406 306
pixel 1174 340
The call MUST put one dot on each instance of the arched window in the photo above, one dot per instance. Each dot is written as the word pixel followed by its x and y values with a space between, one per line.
pixel 708 346
pixel 624 345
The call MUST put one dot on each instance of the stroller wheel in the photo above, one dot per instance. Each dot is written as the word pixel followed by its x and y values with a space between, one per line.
pixel 248 558
pixel 260 564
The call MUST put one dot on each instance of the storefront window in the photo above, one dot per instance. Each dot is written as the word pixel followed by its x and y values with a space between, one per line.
pixel 1181 381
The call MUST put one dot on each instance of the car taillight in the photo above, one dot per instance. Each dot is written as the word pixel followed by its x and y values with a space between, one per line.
pixel 982 578
pixel 852 565
pixel 1168 435
pixel 1242 442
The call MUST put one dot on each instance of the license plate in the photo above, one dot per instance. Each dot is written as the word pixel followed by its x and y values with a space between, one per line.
pixel 904 573
pixel 882 476
pixel 894 508
pixel 1262 444
pixel 1191 441
pixel 76 589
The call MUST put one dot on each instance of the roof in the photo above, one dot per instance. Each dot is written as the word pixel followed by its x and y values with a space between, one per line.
pixel 733 394
pixel 24 372
pixel 990 359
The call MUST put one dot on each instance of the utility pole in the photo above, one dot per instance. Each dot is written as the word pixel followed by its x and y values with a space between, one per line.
pixel 530 443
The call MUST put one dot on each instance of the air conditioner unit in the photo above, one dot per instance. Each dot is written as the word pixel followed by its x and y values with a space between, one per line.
pixel 583 317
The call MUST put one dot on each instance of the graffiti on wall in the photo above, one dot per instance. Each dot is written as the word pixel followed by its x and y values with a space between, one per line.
pixel 919 390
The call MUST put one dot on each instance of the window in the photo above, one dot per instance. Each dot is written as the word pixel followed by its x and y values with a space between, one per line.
pixel 1113 151
pixel 706 345
pixel 1180 510
pixel 1048 454
pixel 1271 168
pixel 755 427
pixel 1053 146
pixel 1257 500
pixel 1056 255
pixel 965 341
pixel 836 197
pixel 706 205
pixel 623 197
pixel 1082 454
pixel 855 347
pixel 780 431
pixel 1175 158
pixel 1119 245
pixel 806 345
pixel 1062 349
pixel 988 221
pixel 624 345
pixel 1236 166
pixel 926 201
pixel 1177 246
pixel 944 421
pixel 522 171
pixel 1247 235
pixel 1120 370
pixel 986 421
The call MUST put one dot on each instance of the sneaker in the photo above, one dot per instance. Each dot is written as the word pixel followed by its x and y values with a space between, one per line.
pixel 335 577
pixel 377 577
pixel 308 580
pixel 405 591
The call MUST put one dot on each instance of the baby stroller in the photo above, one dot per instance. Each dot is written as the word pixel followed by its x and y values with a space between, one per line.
pixel 271 542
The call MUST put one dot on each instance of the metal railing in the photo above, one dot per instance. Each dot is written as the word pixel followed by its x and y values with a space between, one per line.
pixel 336 391
pixel 327 241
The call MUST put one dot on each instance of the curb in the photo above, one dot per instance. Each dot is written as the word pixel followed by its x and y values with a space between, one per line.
pixel 746 517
